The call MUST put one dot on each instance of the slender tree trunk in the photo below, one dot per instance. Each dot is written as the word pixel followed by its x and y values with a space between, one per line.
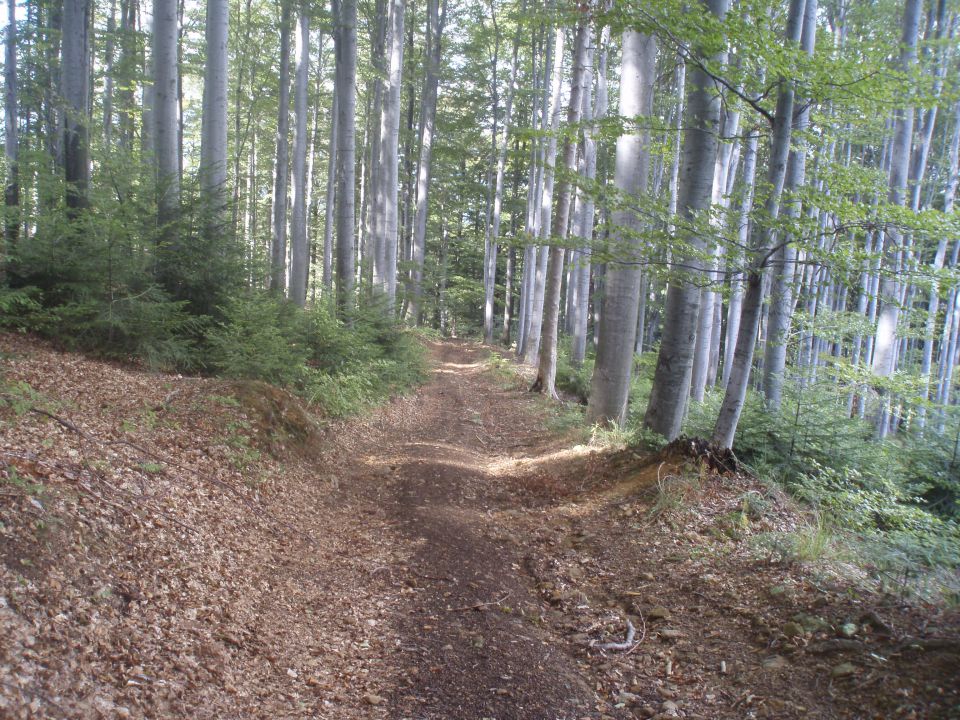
pixel 299 251
pixel 547 371
pixel 163 120
pixel 213 142
pixel 11 141
pixel 109 73
pixel 761 242
pixel 610 387
pixel 75 59
pixel 329 217
pixel 671 383
pixel 281 177
pixel 784 260
pixel 436 18
pixel 346 150
pixel 490 267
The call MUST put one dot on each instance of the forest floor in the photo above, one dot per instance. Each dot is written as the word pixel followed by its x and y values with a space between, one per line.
pixel 174 547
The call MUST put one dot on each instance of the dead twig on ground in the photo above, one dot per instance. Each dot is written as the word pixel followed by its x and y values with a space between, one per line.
pixel 480 605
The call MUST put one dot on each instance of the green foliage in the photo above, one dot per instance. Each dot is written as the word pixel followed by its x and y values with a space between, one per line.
pixel 340 367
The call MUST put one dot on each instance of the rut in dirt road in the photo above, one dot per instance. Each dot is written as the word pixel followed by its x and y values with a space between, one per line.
pixel 471 647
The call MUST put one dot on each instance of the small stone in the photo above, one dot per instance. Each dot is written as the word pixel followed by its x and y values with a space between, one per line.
pixel 649 577
pixel 848 630
pixel 777 662
pixel 658 612
pixel 669 707
pixel 626 698
pixel 793 629
pixel 371 699
pixel 843 670
pixel 671 634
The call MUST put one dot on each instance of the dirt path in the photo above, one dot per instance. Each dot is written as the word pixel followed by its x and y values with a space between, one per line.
pixel 470 645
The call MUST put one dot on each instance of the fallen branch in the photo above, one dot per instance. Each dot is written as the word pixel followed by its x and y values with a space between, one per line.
pixel 627 644
pixel 480 606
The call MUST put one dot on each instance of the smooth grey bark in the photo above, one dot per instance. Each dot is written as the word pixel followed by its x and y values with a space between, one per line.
pixel 163 118
pixel 547 370
pixel 299 251
pixel 493 234
pixel 762 236
pixel 610 385
pixel 545 194
pixel 109 72
pixel 74 85
pixel 436 19
pixel 329 218
pixel 735 302
pixel 671 383
pixel 585 230
pixel 346 81
pixel 281 175
pixel 385 220
pixel 783 266
pixel 213 133
pixel 885 342
pixel 11 140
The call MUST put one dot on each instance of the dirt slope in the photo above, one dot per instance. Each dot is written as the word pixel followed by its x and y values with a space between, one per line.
pixel 445 557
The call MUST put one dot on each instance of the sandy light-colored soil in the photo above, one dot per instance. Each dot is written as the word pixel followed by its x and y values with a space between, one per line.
pixel 181 548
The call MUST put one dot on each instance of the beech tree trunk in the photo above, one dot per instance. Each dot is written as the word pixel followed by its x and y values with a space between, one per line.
pixel 11 140
pixel 346 90
pixel 671 382
pixel 75 65
pixel 436 18
pixel 164 117
pixel 278 245
pixel 762 236
pixel 547 371
pixel 213 135
pixel 610 386
pixel 299 250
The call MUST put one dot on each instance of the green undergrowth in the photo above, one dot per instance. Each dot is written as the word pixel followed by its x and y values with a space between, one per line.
pixel 889 508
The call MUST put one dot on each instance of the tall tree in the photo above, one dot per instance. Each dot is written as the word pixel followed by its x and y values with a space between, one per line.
pixel 547 369
pixel 281 174
pixel 610 386
pixel 213 140
pixel 11 118
pixel 436 19
pixel 164 117
pixel 671 381
pixel 299 251
pixel 346 90
pixel 75 86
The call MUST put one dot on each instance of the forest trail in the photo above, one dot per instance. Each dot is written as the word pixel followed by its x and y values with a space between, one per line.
pixel 449 471
pixel 450 555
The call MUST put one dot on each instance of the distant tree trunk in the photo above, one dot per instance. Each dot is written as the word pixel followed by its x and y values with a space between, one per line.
pixel 610 387
pixel 386 224
pixel 784 260
pixel 436 19
pixel 75 59
pixel 163 118
pixel 743 236
pixel 213 140
pixel 762 237
pixel 299 252
pixel 582 271
pixel 11 140
pixel 109 71
pixel 545 204
pixel 671 382
pixel 490 267
pixel 329 218
pixel 278 242
pixel 547 371
pixel 346 150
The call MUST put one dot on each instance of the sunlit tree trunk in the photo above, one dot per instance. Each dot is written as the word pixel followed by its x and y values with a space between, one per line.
pixel 610 386
pixel 299 255
pixel 671 383
pixel 163 117
pixel 546 373
pixel 213 135
pixel 281 176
